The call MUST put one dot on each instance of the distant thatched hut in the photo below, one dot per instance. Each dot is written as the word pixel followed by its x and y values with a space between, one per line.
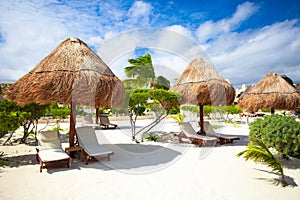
pixel 71 74
pixel 200 84
pixel 272 92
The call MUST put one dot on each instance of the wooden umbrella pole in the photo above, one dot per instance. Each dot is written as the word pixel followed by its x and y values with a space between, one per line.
pixel 272 111
pixel 72 124
pixel 201 120
pixel 97 115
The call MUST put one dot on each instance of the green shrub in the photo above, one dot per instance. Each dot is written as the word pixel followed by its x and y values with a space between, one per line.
pixel 151 137
pixel 279 132
pixel 2 159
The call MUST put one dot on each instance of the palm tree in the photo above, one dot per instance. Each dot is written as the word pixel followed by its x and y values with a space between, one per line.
pixel 179 118
pixel 259 152
pixel 2 159
pixel 141 71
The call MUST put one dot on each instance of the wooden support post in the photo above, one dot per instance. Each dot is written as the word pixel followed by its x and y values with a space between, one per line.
pixel 201 120
pixel 72 124
pixel 97 115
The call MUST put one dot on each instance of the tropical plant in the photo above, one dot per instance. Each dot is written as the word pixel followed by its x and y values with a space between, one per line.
pixel 162 103
pixel 151 137
pixel 259 152
pixel 161 83
pixel 33 112
pixel 2 159
pixel 232 110
pixel 11 117
pixel 58 112
pixel 290 81
pixel 279 132
pixel 56 128
pixel 179 118
pixel 207 110
pixel 140 72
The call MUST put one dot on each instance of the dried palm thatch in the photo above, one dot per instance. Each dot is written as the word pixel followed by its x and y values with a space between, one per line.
pixel 72 72
pixel 200 84
pixel 272 92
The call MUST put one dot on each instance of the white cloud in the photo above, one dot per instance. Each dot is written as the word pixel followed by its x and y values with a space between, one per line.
pixel 30 29
pixel 139 13
pixel 168 48
pixel 209 29
pixel 180 29
pixel 243 57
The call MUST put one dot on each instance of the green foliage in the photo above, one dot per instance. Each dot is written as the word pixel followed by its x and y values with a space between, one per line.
pixel 161 102
pixel 259 152
pixel 59 113
pixel 232 109
pixel 139 98
pixel 79 112
pixel 168 100
pixel 11 117
pixel 179 118
pixel 33 112
pixel 2 159
pixel 151 137
pixel 267 110
pixel 285 77
pixel 56 128
pixel 141 71
pixel 161 83
pixel 279 132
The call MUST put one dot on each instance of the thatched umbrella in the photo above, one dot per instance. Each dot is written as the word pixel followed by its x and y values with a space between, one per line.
pixel 71 74
pixel 272 92
pixel 200 84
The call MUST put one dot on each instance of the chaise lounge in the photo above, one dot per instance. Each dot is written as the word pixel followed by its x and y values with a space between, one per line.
pixel 221 138
pixel 50 153
pixel 88 141
pixel 88 121
pixel 188 132
pixel 105 123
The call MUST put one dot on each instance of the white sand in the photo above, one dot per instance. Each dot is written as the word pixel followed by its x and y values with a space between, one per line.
pixel 151 171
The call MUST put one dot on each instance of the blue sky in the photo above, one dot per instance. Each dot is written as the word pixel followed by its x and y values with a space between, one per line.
pixel 243 40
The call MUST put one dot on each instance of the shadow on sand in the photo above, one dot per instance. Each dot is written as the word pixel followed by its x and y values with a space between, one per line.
pixel 139 158
pixel 277 181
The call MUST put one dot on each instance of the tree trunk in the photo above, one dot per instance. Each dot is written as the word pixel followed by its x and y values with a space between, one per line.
pixel 283 181
pixel 26 127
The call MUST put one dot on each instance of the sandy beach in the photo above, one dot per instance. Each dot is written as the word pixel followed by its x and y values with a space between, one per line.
pixel 150 170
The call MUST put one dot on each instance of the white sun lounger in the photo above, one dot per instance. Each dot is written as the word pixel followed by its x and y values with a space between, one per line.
pixel 88 121
pixel 188 132
pixel 50 153
pixel 88 141
pixel 222 139
pixel 105 123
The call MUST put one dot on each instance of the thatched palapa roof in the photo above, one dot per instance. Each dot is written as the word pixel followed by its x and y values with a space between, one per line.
pixel 72 72
pixel 272 92
pixel 201 84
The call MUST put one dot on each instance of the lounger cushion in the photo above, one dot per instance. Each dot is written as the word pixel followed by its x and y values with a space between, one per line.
pixel 190 132
pixel 52 155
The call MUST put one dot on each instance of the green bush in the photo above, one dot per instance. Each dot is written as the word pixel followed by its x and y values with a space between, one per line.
pixel 3 161
pixel 151 137
pixel 279 132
